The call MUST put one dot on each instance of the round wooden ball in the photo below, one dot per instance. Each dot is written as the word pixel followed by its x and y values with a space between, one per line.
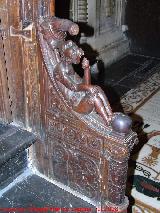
pixel 121 123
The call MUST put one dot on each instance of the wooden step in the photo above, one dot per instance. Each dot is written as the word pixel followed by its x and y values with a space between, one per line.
pixel 13 156
pixel 36 192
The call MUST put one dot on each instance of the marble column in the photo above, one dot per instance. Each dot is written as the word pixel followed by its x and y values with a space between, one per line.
pixel 120 6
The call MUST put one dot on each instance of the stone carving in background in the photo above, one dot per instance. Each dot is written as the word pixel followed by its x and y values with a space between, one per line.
pixel 106 18
pixel 79 10
pixel 110 6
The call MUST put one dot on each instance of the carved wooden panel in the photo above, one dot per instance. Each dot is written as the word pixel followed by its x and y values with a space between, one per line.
pixel 79 151
pixel 64 156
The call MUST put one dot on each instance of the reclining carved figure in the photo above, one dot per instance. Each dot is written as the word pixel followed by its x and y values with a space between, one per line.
pixel 89 97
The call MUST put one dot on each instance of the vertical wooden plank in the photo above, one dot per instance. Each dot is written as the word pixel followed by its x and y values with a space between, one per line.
pixel 31 82
pixel 14 61
pixel 5 110
pixel 33 64
pixel 47 7
pixel 31 68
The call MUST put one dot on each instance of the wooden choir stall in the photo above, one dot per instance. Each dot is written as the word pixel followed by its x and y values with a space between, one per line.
pixel 82 143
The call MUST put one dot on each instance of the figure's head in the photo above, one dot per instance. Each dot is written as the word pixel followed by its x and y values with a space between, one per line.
pixel 71 52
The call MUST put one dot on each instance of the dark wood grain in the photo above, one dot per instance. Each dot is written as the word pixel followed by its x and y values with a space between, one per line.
pixel 21 62
pixel 14 59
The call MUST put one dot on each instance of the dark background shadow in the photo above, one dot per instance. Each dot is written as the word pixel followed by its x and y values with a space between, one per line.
pixel 62 8
pixel 143 20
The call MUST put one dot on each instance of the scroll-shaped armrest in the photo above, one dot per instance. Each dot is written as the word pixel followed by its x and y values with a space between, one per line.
pixel 64 25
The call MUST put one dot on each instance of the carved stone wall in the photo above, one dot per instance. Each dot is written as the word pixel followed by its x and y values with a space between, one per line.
pixel 106 17
pixel 79 10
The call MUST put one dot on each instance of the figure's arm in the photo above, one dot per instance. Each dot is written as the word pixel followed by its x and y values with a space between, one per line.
pixel 64 78
pixel 78 79
pixel 86 85
pixel 69 83
pixel 87 72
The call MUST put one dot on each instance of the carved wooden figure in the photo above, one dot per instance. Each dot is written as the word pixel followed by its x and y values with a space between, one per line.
pixel 87 146
pixel 91 98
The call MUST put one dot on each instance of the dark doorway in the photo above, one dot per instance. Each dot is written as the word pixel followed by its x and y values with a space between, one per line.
pixel 143 20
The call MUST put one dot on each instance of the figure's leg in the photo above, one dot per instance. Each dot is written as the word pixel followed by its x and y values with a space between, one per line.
pixel 105 101
pixel 98 95
pixel 102 110
pixel 85 106
pixel 95 99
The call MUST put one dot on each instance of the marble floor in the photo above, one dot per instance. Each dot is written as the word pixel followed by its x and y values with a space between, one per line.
pixel 144 164
pixel 35 194
pixel 126 74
